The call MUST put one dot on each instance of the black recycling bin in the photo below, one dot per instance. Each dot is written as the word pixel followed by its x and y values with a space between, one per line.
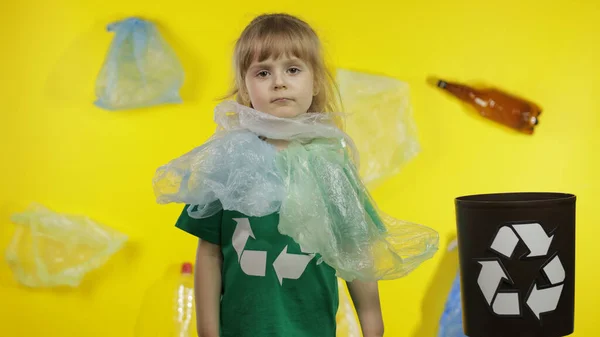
pixel 517 264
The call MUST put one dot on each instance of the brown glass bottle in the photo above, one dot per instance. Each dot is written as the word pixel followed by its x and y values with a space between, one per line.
pixel 509 110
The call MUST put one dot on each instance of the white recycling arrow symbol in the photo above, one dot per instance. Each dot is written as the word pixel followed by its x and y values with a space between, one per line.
pixel 535 238
pixel 546 300
pixel 539 300
pixel 254 262
pixel 290 266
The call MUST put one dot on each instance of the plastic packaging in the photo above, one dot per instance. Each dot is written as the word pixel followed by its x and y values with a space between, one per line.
pixel 184 303
pixel 379 120
pixel 50 249
pixel 313 183
pixel 140 69
pixel 168 307
pixel 234 169
pixel 451 320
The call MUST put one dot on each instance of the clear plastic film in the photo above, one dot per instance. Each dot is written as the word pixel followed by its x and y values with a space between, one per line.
pixel 140 69
pixel 50 249
pixel 234 169
pixel 313 184
pixel 379 120
pixel 329 211
pixel 235 172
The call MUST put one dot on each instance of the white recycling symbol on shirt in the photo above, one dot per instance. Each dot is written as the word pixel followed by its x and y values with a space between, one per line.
pixel 539 300
pixel 254 262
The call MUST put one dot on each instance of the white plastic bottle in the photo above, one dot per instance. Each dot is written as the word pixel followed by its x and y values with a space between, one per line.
pixel 184 318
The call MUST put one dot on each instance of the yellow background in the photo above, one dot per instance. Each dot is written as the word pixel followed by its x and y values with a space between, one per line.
pixel 60 150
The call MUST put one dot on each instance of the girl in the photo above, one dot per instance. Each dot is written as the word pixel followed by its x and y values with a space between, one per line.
pixel 276 202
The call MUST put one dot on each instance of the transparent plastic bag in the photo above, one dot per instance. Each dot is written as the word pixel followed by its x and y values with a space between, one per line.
pixel 313 184
pixel 234 169
pixel 140 69
pixel 379 120
pixel 451 320
pixel 49 249
pixel 328 210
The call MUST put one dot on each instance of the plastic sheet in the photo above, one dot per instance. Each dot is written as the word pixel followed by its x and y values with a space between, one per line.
pixel 140 69
pixel 380 122
pixel 50 249
pixel 451 320
pixel 313 183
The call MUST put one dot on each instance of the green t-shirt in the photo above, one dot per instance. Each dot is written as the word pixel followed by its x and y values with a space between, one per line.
pixel 271 288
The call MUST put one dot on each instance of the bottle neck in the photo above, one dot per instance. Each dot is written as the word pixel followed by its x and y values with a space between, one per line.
pixel 461 91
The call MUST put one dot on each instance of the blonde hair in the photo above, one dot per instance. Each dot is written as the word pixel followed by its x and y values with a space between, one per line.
pixel 274 35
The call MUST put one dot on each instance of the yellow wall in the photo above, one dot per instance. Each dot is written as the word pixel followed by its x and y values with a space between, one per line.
pixel 61 151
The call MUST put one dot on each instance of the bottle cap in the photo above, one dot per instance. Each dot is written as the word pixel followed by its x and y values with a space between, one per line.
pixel 187 268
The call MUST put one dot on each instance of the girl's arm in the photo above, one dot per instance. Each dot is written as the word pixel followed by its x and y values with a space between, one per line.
pixel 207 288
pixel 365 296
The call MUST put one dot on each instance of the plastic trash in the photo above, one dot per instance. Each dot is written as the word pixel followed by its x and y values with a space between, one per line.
pixel 140 69
pixel 379 120
pixel 451 320
pixel 184 315
pixel 314 185
pixel 50 249
pixel 168 308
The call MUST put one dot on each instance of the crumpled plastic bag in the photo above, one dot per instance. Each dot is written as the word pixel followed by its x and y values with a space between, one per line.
pixel 346 319
pixel 313 184
pixel 328 210
pixel 140 69
pixel 451 324
pixel 379 120
pixel 50 249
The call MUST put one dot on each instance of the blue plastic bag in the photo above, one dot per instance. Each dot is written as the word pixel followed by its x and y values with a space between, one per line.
pixel 451 324
pixel 140 69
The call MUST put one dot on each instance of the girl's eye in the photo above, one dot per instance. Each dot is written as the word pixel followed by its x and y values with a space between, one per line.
pixel 294 70
pixel 263 73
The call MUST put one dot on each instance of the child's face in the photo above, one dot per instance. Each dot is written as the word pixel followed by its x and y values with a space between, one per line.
pixel 281 87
